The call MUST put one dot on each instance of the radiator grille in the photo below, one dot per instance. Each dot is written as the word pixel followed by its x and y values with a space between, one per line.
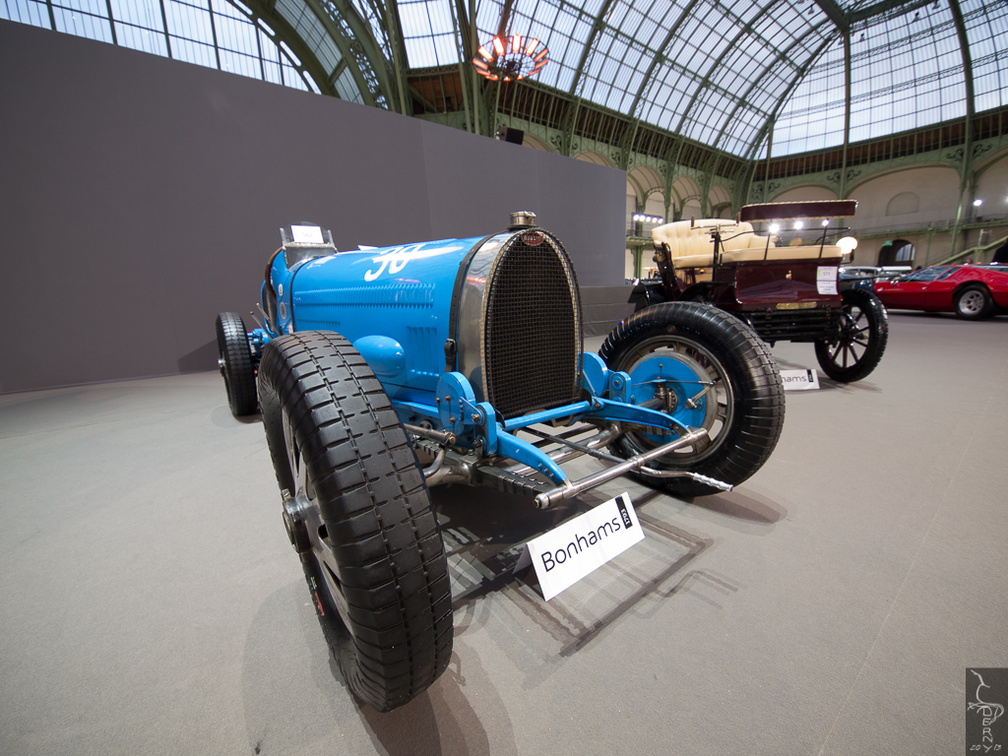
pixel 532 328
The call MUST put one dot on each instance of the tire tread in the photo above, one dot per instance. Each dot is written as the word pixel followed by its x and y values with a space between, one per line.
pixel 374 502
pixel 749 364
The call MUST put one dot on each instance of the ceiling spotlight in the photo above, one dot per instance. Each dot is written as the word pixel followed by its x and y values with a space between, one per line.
pixel 510 58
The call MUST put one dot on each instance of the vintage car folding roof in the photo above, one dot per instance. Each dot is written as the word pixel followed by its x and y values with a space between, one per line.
pixel 792 210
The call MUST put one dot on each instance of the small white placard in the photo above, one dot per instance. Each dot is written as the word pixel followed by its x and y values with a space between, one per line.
pixel 799 380
pixel 577 547
pixel 307 235
pixel 826 278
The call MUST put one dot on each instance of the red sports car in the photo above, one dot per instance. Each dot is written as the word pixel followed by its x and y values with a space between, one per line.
pixel 970 291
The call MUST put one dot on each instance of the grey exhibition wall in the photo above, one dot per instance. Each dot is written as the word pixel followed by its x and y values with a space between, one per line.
pixel 141 196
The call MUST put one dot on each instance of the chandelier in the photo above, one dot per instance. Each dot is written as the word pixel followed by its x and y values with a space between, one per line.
pixel 510 58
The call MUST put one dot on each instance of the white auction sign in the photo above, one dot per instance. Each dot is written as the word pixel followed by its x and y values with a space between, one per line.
pixel 307 235
pixel 799 380
pixel 579 546
pixel 826 279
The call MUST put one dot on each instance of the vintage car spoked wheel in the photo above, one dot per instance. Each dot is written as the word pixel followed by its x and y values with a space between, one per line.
pixel 973 302
pixel 707 369
pixel 234 358
pixel 864 330
pixel 357 510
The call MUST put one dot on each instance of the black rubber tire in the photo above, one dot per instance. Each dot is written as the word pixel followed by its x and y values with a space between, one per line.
pixel 973 302
pixel 749 404
pixel 857 349
pixel 375 562
pixel 234 358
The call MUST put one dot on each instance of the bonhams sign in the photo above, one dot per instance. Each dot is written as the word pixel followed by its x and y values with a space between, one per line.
pixel 579 546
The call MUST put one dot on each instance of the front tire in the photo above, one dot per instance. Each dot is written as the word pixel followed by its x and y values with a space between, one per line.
pixel 358 512
pixel 857 348
pixel 234 358
pixel 973 302
pixel 708 369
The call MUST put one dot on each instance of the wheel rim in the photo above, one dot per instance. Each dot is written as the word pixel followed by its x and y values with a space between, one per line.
pixel 705 399
pixel 325 584
pixel 855 338
pixel 971 303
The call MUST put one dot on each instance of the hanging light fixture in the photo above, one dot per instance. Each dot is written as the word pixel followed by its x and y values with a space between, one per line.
pixel 510 58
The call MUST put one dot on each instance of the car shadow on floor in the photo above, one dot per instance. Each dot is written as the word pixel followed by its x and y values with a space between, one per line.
pixel 485 533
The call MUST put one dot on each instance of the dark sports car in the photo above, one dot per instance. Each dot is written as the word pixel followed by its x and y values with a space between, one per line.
pixel 972 292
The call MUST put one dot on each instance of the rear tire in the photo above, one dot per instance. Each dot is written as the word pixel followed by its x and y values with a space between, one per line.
pixel 234 358
pixel 743 410
pixel 358 512
pixel 858 347
pixel 973 302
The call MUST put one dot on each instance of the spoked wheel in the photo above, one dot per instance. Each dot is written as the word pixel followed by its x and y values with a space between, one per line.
pixel 357 511
pixel 707 369
pixel 234 358
pixel 858 346
pixel 973 302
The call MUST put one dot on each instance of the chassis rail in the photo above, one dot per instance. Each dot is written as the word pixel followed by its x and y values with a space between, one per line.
pixel 453 466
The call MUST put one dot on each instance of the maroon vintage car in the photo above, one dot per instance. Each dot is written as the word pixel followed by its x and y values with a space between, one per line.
pixel 970 291
pixel 783 283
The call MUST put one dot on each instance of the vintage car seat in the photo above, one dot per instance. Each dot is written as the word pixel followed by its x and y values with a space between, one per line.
pixel 690 244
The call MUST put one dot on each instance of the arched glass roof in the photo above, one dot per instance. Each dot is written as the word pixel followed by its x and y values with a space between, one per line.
pixel 722 72
pixel 751 79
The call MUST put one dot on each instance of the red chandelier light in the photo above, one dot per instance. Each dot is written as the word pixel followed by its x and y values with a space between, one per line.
pixel 510 58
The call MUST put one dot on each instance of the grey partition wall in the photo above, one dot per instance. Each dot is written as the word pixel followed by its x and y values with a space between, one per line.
pixel 141 196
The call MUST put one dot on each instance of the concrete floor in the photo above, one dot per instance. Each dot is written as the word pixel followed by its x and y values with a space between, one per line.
pixel 151 603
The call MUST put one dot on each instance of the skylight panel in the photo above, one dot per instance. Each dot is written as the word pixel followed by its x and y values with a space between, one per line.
pixel 191 51
pixel 190 22
pixel 143 40
pixel 563 23
pixel 428 33
pixel 813 117
pixel 235 35
pixel 740 135
pixel 708 116
pixel 693 37
pixel 641 28
pixel 235 62
pixel 658 107
pixel 987 28
pixel 310 29
pixel 82 24
pixel 93 7
pixel 142 13
pixel 697 59
pixel 26 12
pixel 488 16
pixel 900 80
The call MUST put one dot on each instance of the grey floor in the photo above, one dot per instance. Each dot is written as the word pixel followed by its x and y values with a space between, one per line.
pixel 151 604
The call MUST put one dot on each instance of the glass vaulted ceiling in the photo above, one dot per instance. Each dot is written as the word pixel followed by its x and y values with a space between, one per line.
pixel 723 72
pixel 753 78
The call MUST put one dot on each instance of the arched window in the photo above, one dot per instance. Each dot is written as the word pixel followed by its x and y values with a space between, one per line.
pixel 896 252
